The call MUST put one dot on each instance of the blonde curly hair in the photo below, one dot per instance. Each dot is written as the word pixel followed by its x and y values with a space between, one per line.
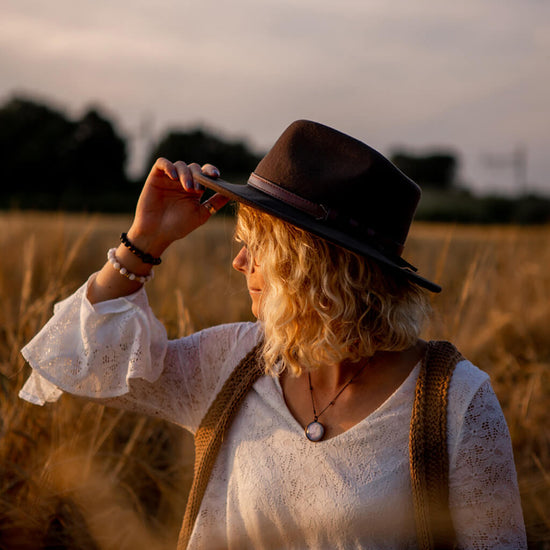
pixel 323 304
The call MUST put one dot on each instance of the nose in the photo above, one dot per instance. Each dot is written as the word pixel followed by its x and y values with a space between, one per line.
pixel 240 262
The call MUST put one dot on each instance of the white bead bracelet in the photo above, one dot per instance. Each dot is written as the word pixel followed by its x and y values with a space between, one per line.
pixel 124 272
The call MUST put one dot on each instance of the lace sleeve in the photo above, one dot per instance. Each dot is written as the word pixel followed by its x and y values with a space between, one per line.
pixel 195 368
pixel 484 495
pixel 117 352
pixel 94 350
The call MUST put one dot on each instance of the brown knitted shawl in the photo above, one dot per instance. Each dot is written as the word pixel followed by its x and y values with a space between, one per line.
pixel 429 463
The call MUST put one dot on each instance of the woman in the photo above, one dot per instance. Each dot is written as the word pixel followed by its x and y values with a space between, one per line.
pixel 315 452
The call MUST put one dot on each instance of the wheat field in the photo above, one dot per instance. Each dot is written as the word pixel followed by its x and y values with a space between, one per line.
pixel 77 475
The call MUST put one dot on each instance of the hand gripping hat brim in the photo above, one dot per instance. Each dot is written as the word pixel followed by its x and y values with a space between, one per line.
pixel 337 188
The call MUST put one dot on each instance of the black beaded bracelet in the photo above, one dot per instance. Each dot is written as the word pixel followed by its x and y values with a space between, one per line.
pixel 145 257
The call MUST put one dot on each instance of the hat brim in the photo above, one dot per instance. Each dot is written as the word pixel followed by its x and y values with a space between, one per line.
pixel 255 198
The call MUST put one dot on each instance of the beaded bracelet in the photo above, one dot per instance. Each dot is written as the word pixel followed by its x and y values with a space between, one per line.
pixel 123 271
pixel 145 257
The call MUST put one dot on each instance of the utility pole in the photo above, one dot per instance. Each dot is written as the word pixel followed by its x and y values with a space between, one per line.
pixel 141 144
pixel 516 160
pixel 520 168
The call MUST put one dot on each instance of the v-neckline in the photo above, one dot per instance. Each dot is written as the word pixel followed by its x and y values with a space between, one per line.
pixel 299 429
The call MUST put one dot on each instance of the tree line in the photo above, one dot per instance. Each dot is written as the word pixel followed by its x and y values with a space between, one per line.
pixel 50 161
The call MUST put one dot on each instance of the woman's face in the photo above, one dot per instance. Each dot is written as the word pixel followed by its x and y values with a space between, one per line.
pixel 254 278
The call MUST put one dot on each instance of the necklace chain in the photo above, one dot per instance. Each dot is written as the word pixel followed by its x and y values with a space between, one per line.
pixel 333 400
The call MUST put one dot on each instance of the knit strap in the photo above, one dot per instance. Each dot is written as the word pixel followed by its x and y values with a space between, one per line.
pixel 211 431
pixel 429 458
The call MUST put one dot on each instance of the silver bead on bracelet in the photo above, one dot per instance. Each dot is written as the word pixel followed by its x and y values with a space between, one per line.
pixel 124 272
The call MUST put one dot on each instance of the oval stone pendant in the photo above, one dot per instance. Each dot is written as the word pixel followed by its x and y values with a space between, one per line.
pixel 315 431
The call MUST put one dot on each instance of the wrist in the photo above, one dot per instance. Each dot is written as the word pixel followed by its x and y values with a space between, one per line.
pixel 131 262
pixel 130 275
pixel 147 243
pixel 145 257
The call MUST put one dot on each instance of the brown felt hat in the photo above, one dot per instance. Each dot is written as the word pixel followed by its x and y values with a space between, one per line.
pixel 338 188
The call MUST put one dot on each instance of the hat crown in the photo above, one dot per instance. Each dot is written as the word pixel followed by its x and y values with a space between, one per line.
pixel 343 175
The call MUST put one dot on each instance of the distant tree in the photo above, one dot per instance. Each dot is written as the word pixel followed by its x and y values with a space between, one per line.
pixel 95 156
pixel 50 161
pixel 234 158
pixel 95 141
pixel 436 170
pixel 33 141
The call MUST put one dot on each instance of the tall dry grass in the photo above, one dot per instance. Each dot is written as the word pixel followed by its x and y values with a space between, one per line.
pixel 77 475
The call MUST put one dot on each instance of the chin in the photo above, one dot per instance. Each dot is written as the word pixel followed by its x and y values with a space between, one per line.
pixel 256 311
pixel 255 307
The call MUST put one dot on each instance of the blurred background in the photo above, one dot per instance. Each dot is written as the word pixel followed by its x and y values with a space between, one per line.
pixel 456 94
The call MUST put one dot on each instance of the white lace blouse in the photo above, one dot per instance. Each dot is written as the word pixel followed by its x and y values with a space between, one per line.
pixel 271 487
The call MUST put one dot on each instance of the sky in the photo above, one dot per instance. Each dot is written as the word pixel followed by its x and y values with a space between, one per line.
pixel 471 77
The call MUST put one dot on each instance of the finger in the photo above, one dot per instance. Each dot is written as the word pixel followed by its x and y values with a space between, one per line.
pixel 164 165
pixel 184 175
pixel 215 203
pixel 218 201
pixel 196 169
pixel 210 170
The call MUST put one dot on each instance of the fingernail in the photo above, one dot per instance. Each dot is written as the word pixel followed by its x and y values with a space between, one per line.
pixel 216 172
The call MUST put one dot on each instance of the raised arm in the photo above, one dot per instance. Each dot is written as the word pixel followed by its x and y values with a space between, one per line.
pixel 95 351
pixel 168 209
